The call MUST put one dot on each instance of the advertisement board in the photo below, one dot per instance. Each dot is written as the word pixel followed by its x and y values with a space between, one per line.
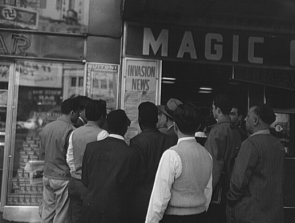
pixel 102 83
pixel 140 83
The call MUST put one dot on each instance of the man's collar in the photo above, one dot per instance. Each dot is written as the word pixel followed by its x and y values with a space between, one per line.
pixel 171 126
pixel 116 136
pixel 185 138
pixel 261 132
pixel 81 119
pixel 224 119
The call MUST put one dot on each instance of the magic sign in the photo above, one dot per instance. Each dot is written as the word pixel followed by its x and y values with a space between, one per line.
pixel 208 45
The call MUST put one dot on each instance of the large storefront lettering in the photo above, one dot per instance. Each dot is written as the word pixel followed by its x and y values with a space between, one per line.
pixel 224 46
pixel 19 44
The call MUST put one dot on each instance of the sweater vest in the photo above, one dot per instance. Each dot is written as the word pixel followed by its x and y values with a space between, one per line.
pixel 188 190
pixel 81 137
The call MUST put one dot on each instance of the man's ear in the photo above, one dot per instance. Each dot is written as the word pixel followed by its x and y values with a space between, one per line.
pixel 255 121
pixel 218 110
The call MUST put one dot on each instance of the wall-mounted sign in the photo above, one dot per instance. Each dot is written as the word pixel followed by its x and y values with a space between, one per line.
pixel 62 16
pixel 271 77
pixel 39 74
pixel 102 83
pixel 41 46
pixel 140 83
pixel 18 17
pixel 210 45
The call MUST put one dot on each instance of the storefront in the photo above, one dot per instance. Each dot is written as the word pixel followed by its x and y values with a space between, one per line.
pixel 252 67
pixel 49 51
pixel 63 48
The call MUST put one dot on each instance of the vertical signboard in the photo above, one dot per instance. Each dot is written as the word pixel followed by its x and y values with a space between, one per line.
pixel 140 83
pixel 102 83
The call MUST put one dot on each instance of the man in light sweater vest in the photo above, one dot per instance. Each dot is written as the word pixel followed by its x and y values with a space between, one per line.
pixel 183 185
pixel 78 140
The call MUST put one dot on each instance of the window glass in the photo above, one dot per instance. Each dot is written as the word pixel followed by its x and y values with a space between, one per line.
pixel 40 87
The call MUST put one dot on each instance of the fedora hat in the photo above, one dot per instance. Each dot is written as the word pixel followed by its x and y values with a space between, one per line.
pixel 170 107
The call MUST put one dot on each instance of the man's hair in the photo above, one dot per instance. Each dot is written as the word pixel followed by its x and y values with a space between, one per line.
pixel 265 113
pixel 93 110
pixel 82 101
pixel 69 105
pixel 224 103
pixel 148 114
pixel 188 118
pixel 117 121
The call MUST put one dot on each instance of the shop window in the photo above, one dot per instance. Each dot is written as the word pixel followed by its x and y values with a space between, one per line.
pixel 73 82
pixel 40 87
pixel 81 81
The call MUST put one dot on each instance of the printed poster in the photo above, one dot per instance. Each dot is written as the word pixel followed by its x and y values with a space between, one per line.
pixel 30 73
pixel 140 83
pixel 102 83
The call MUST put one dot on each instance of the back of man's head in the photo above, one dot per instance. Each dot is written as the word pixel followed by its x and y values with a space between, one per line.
pixel 118 122
pixel 148 114
pixel 69 105
pixel 265 113
pixel 224 103
pixel 82 101
pixel 93 111
pixel 187 118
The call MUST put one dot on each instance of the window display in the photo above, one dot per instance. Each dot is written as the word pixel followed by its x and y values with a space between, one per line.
pixel 38 90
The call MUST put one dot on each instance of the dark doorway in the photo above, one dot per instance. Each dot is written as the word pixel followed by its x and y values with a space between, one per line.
pixel 199 83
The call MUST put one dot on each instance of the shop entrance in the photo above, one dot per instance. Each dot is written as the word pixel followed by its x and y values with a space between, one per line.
pixel 199 83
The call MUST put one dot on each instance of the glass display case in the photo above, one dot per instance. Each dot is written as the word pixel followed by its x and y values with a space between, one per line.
pixel 31 94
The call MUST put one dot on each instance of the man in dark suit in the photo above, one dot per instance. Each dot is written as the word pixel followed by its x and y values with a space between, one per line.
pixel 256 186
pixel 109 173
pixel 150 144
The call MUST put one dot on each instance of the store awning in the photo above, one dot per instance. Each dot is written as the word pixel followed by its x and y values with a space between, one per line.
pixel 186 12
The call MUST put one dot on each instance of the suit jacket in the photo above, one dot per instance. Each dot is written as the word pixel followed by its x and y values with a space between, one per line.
pixel 256 187
pixel 109 173
pixel 170 132
pixel 150 144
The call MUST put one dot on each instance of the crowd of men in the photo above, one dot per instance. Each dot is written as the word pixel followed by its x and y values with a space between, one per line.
pixel 166 174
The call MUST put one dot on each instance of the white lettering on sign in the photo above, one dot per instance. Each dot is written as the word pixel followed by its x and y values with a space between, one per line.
pixel 187 46
pixel 141 71
pixel 217 53
pixel 214 44
pixel 236 44
pixel 149 40
pixel 292 53
pixel 251 54
pixel 20 44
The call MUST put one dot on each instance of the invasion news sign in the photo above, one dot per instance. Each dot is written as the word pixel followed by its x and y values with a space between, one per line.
pixel 211 45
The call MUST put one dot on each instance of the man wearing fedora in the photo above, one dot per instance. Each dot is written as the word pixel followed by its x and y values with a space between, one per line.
pixel 168 111
pixel 150 144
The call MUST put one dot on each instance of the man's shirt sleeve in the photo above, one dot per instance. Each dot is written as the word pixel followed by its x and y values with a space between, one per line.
pixel 215 145
pixel 169 169
pixel 244 167
pixel 70 155
pixel 208 192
